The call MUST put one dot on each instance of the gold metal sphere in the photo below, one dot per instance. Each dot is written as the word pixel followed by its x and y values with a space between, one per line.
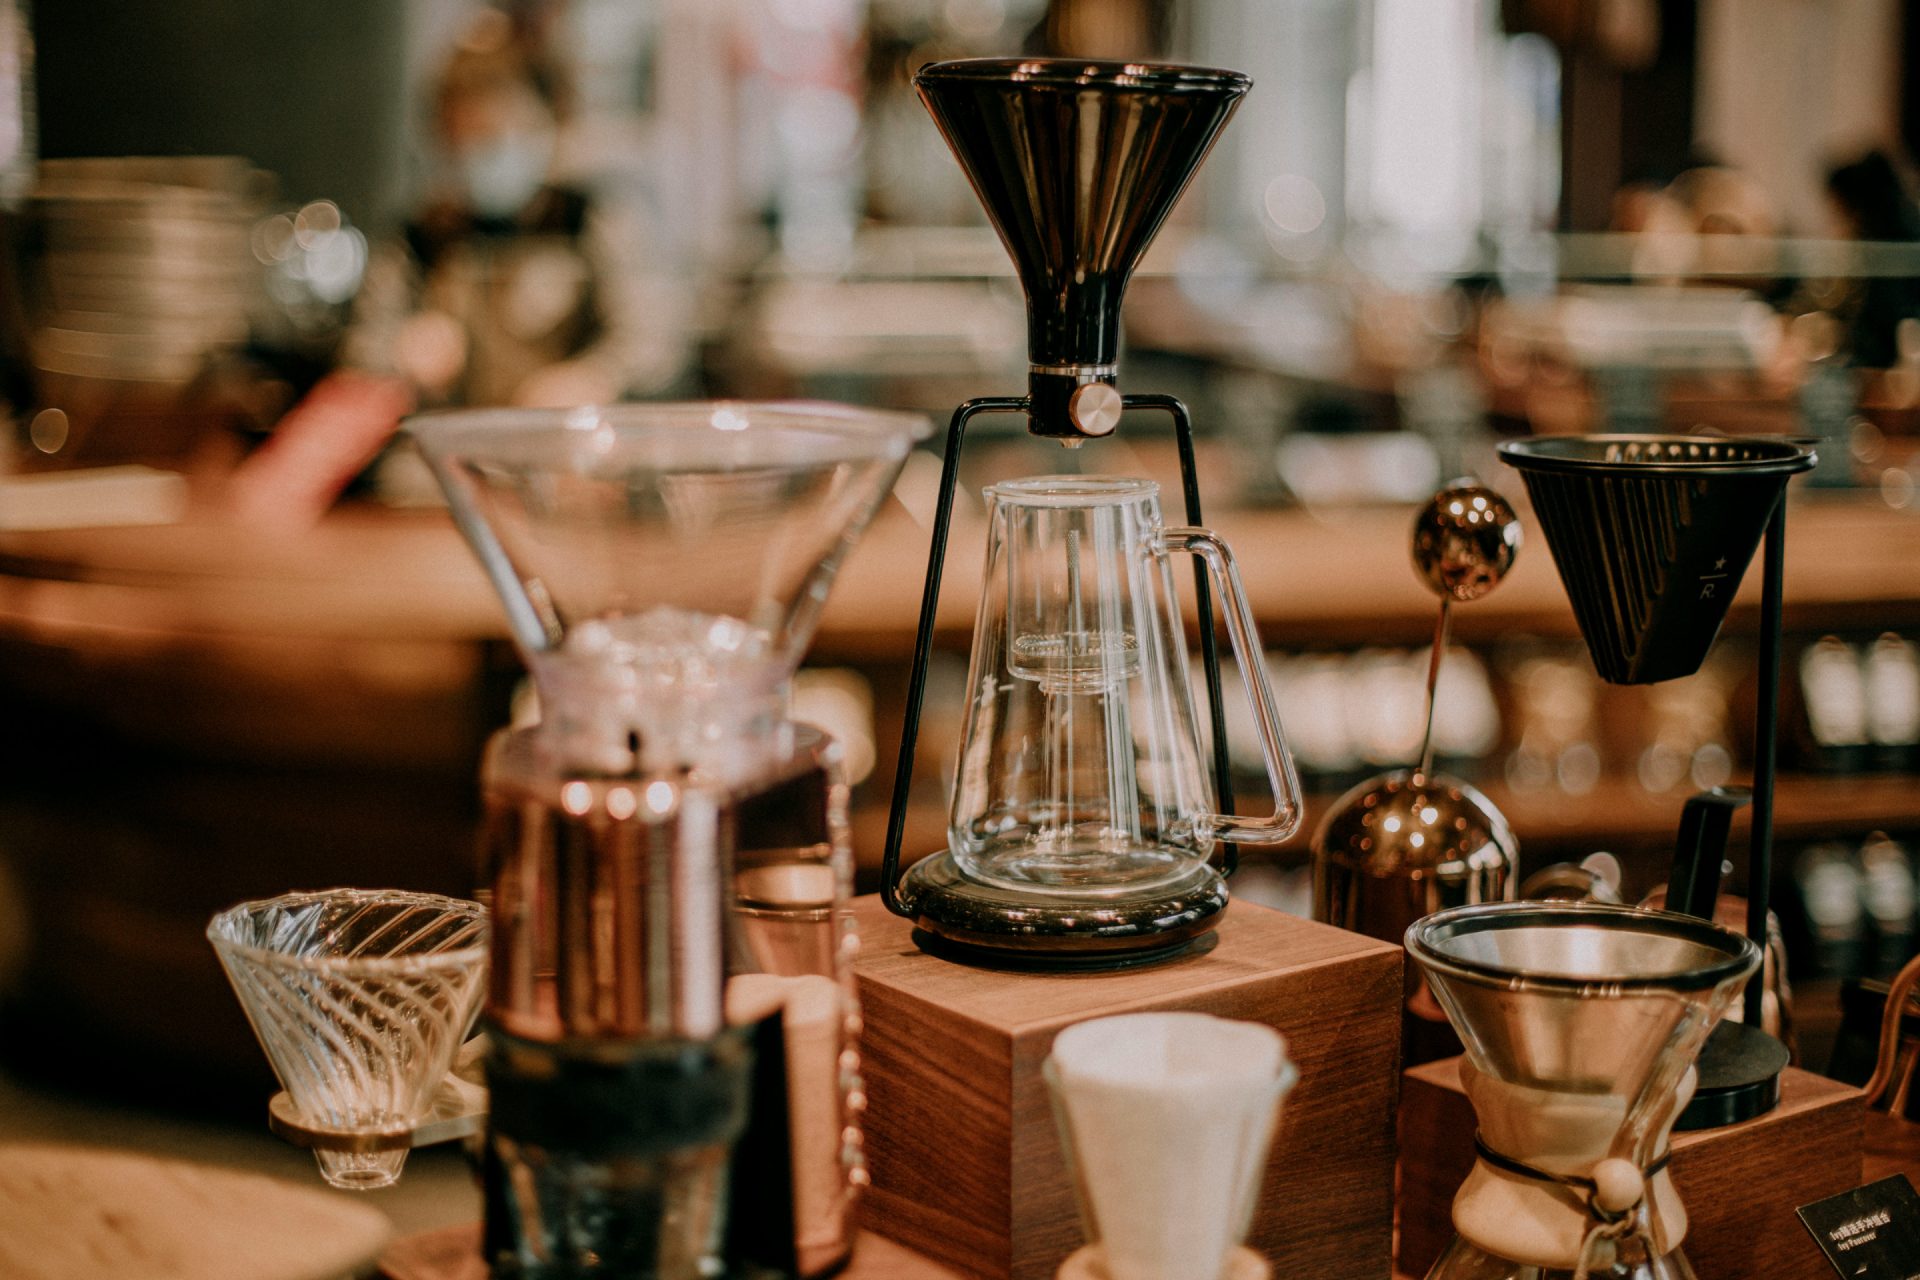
pixel 1464 541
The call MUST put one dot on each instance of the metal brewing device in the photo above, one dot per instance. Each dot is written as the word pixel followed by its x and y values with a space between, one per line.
pixel 1581 1024
pixel 1077 164
pixel 1406 843
pixel 1651 535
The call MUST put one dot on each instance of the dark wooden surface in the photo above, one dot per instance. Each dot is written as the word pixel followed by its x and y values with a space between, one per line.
pixel 453 1253
pixel 1740 1184
pixel 1892 1146
pixel 961 1142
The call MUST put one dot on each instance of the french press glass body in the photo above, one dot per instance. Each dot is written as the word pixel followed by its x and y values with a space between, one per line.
pixel 1083 815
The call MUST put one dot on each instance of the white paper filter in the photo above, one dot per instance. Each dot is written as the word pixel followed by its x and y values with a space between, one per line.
pixel 1166 1119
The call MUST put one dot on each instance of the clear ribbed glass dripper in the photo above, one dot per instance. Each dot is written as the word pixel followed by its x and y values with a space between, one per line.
pixel 360 999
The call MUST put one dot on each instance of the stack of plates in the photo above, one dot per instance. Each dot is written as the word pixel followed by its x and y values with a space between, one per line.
pixel 143 267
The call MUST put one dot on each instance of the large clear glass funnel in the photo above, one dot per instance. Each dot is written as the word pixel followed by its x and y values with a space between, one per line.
pixel 1581 1024
pixel 663 565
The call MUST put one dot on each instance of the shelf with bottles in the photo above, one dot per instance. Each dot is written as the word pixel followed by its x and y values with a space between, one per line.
pixel 1575 764
pixel 1615 815
pixel 1319 576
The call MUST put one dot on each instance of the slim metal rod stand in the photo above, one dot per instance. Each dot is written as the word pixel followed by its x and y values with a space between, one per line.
pixel 1766 737
pixel 1440 630
pixel 930 606
pixel 923 636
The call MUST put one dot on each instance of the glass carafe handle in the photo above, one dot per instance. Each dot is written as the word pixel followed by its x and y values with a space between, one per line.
pixel 1281 777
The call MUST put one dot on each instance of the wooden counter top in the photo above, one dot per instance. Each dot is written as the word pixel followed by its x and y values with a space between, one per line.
pixel 1315 578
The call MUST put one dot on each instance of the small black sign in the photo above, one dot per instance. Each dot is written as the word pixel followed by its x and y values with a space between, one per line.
pixel 1871 1232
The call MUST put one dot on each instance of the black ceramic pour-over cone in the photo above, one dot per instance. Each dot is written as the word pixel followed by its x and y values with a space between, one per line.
pixel 1078 164
pixel 1652 535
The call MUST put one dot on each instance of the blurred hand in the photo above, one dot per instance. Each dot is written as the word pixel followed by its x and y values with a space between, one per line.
pixel 322 443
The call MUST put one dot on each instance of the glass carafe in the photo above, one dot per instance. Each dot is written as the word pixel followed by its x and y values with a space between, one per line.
pixel 1581 1024
pixel 616 1089
pixel 1081 767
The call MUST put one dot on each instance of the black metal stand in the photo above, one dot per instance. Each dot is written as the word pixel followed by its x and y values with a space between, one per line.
pixel 1766 737
pixel 1740 1065
pixel 930 604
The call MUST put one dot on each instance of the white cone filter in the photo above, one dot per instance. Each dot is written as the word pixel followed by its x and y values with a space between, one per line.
pixel 1167 1119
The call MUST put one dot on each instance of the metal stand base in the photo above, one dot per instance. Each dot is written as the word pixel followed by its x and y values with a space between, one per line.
pixel 894 891
pixel 459 1111
pixel 1741 1064
pixel 1739 1078
pixel 963 919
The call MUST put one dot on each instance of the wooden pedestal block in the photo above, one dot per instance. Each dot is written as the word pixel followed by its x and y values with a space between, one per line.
pixel 967 1167
pixel 1740 1184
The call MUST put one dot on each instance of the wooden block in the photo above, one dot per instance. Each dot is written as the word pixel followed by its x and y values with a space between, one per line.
pixel 966 1164
pixel 1740 1184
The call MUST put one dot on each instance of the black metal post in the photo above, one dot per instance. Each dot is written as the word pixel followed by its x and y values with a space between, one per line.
pixel 1203 606
pixel 923 638
pixel 1766 735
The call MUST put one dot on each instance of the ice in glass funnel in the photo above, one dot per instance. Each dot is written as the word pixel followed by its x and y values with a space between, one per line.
pixel 360 999
pixel 664 565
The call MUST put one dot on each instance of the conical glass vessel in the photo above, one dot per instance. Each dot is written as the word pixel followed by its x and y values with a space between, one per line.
pixel 1080 764
pixel 663 565
pixel 1077 164
pixel 666 852
pixel 1581 1024
pixel 1083 817
pixel 360 999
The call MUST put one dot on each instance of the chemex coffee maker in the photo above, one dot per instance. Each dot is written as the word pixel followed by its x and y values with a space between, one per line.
pixel 1592 1031
pixel 1083 821
pixel 1581 1023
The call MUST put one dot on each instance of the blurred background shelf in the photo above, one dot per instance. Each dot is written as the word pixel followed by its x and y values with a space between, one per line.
pixel 1327 578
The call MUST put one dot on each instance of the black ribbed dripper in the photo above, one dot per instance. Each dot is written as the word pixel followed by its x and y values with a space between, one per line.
pixel 1652 535
pixel 1078 163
